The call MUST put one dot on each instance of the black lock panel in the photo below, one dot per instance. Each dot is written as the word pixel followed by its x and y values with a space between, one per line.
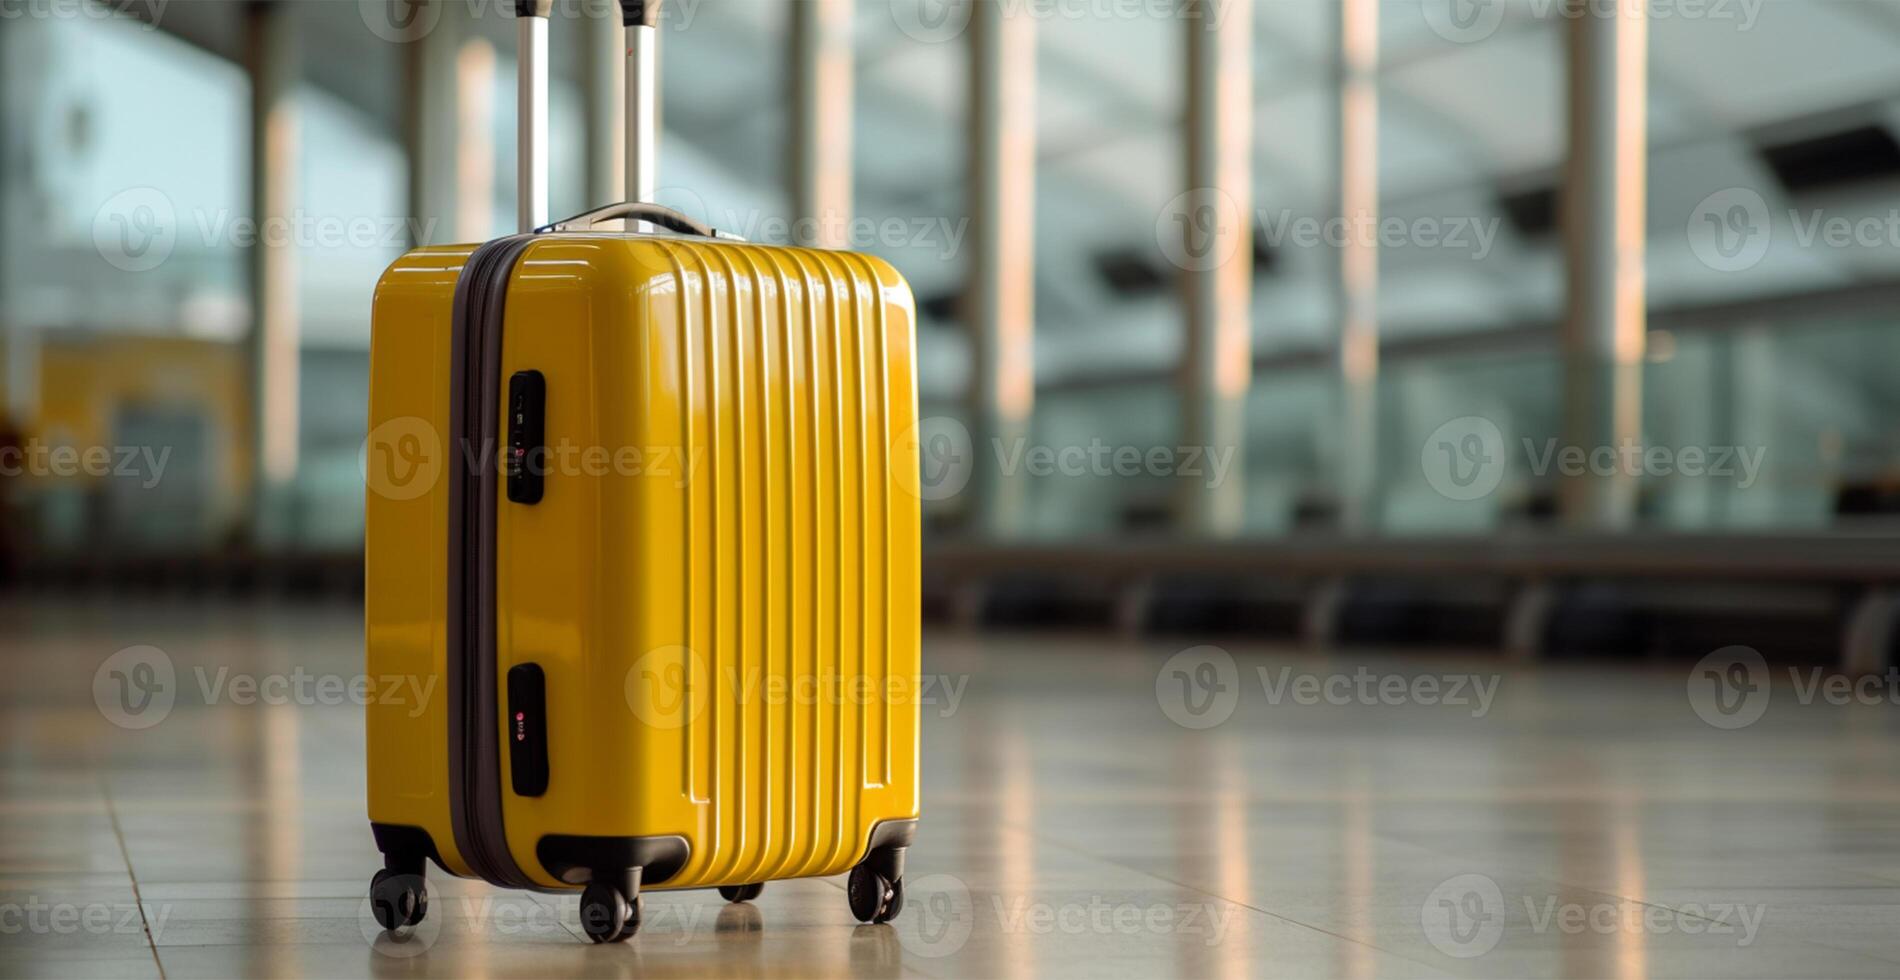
pixel 528 729
pixel 525 459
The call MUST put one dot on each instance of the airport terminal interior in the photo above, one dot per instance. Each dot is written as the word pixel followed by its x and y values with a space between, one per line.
pixel 1401 487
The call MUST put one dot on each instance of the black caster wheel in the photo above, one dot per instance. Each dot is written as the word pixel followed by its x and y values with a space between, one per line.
pixel 606 915
pixel 397 900
pixel 873 897
pixel 896 902
pixel 742 893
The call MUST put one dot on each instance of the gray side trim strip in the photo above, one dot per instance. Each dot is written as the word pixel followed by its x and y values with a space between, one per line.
pixel 481 294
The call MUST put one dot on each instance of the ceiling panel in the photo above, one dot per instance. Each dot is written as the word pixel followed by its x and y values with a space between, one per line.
pixel 1504 95
pixel 1793 58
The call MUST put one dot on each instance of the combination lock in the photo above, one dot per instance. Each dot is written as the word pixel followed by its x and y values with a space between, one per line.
pixel 524 462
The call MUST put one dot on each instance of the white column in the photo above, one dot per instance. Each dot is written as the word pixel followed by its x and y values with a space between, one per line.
pixel 819 130
pixel 430 121
pixel 1357 150
pixel 19 339
pixel 1218 366
pixel 474 140
pixel 1002 291
pixel 271 46
pixel 606 98
pixel 1605 187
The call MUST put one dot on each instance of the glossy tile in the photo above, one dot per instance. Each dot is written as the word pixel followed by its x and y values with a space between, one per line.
pixel 1575 821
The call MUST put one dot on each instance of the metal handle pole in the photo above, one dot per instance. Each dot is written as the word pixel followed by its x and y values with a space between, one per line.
pixel 531 37
pixel 643 97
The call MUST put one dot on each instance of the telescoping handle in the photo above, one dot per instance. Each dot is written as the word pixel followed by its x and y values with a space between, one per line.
pixel 654 214
pixel 642 19
pixel 531 107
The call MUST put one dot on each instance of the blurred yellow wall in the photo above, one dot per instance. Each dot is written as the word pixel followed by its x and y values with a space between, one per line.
pixel 86 381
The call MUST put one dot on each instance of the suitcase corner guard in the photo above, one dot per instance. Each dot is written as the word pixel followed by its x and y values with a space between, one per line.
pixel 405 848
pixel 574 858
pixel 884 850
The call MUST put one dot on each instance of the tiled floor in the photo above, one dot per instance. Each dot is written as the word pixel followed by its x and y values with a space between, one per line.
pixel 1575 821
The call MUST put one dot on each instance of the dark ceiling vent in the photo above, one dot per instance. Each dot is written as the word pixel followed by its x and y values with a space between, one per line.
pixel 1265 258
pixel 1131 273
pixel 1532 212
pixel 943 307
pixel 1847 156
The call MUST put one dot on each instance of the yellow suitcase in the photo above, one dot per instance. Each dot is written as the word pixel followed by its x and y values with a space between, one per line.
pixel 642 516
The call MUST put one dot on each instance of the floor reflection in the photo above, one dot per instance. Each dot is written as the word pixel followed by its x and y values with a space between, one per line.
pixel 1584 823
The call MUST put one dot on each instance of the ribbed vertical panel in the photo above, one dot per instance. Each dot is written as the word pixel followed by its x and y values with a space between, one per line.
pixel 758 292
pixel 805 547
pixel 706 517
pixel 876 442
pixel 789 573
pixel 828 387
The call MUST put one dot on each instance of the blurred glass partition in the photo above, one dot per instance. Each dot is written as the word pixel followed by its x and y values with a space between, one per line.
pixel 126 152
pixel 1086 461
pixel 327 500
pixel 1453 429
pixel 1803 417
pixel 1782 426
pixel 168 511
